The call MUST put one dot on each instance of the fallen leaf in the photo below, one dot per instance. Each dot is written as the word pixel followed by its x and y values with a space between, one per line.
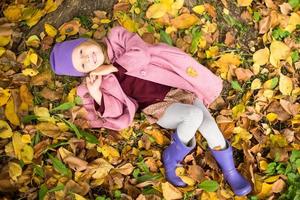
pixel 50 30
pixel 125 169
pixel 33 41
pixel 4 96
pixel 243 74
pixel 70 28
pixel 264 25
pixel 170 192
pixel 14 170
pixel 261 56
pixel 5 130
pixel 285 85
pixel 10 112
pixel 278 186
pixel 13 13
pixel 279 51
pixel 184 21
pixel 109 152
pixel 244 2
pixel 199 9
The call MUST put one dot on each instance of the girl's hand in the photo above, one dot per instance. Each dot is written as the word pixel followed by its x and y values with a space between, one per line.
pixel 94 88
pixel 104 70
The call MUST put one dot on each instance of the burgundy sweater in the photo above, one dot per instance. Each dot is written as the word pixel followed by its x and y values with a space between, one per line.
pixel 143 91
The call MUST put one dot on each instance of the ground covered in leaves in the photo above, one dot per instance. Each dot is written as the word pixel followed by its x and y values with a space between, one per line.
pixel 46 152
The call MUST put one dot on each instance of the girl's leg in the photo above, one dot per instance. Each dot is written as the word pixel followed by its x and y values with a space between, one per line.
pixel 186 120
pixel 209 128
pixel 224 157
pixel 183 117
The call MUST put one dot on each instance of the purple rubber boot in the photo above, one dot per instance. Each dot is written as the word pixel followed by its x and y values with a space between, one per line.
pixel 173 155
pixel 237 182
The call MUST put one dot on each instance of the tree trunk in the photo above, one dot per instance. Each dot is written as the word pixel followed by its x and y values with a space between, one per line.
pixel 66 12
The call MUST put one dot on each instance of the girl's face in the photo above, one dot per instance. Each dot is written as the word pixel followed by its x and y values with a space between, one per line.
pixel 87 56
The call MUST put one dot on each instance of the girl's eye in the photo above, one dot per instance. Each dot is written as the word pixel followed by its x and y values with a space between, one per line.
pixel 82 66
pixel 80 51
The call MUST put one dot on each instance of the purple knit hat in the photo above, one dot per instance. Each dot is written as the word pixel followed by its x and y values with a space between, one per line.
pixel 61 57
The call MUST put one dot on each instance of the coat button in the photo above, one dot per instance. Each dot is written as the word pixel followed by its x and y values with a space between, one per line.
pixel 143 72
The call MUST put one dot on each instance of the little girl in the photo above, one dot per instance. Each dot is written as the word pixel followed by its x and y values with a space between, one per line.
pixel 167 84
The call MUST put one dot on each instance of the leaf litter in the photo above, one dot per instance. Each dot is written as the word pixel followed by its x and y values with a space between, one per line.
pixel 47 152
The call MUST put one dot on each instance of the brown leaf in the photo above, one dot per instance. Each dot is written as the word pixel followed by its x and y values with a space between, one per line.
pixel 122 6
pixel 276 108
pixel 246 16
pixel 285 8
pixel 48 129
pixel 40 148
pixel 210 10
pixel 292 109
pixel 125 169
pixel 196 172
pixel 229 39
pixel 270 4
pixel 151 163
pixel 47 42
pixel 227 129
pixel 243 74
pixel 148 37
pixel 278 186
pixel 50 94
pixel 75 163
pixel 81 188
pixel 42 78
pixel 184 21
pixel 264 25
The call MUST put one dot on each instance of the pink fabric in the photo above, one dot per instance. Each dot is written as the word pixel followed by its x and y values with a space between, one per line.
pixel 160 63
pixel 120 108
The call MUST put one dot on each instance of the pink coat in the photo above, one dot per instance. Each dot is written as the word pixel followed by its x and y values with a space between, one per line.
pixel 159 63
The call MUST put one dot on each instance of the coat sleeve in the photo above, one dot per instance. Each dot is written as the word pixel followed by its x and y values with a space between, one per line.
pixel 126 48
pixel 121 109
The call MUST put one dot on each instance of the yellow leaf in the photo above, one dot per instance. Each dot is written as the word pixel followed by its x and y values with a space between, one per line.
pixel 271 117
pixel 209 196
pixel 126 133
pixel 184 21
pixel 2 51
pixel 244 2
pixel 177 5
pixel 263 165
pixel 27 154
pixel 10 112
pixel 285 85
pixel 294 20
pixel 33 41
pixel 241 134
pixel 4 96
pixel 79 197
pixel 50 30
pixel 51 5
pixel 25 95
pixel 17 144
pixel 272 179
pixel 35 18
pixel 100 168
pixel 26 139
pixel 71 95
pixel 33 58
pixel 156 11
pixel 200 9
pixel 261 57
pixel 225 61
pixel 109 152
pixel 212 52
pixel 256 84
pixel 191 71
pixel 13 13
pixel 105 21
pixel 265 191
pixel 127 22
pixel 4 40
pixel 279 51
pixel 188 180
pixel 14 170
pixel 170 29
pixel 157 134
pixel 271 84
pixel 170 192
pixel 5 130
pixel 238 110
pixel 30 72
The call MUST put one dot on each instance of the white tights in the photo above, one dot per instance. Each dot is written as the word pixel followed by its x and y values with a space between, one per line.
pixel 188 118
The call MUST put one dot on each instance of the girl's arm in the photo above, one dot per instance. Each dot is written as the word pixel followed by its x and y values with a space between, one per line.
pixel 94 88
